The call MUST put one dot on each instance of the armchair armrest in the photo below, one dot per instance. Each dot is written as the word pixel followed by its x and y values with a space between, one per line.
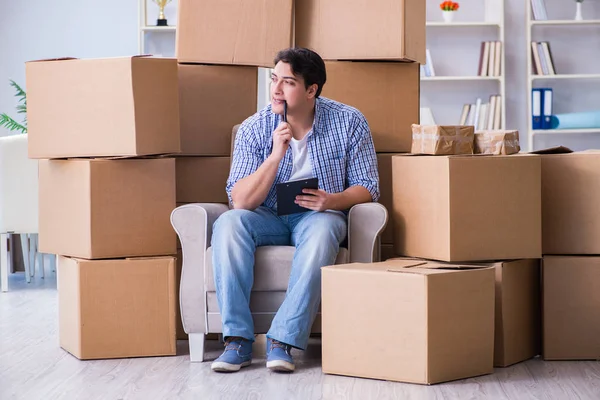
pixel 366 221
pixel 18 186
pixel 193 224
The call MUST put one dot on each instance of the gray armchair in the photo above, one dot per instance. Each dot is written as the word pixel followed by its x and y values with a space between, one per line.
pixel 198 301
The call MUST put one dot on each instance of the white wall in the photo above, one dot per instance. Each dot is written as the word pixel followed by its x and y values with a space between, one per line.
pixel 455 51
pixel 38 29
pixel 35 29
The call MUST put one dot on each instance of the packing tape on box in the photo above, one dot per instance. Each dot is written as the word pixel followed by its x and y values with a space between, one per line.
pixel 435 136
pixel 487 146
pixel 422 136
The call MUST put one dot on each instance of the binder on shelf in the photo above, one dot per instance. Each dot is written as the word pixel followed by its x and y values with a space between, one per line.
pixel 536 108
pixel 547 108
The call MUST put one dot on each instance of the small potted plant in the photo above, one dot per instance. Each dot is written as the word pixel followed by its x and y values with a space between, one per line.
pixel 448 9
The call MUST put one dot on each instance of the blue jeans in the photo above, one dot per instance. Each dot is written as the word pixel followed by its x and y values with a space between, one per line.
pixel 237 234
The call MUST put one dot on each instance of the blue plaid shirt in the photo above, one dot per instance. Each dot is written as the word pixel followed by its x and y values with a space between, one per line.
pixel 340 147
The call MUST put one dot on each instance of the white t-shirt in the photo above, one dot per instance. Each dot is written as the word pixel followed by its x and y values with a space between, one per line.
pixel 301 165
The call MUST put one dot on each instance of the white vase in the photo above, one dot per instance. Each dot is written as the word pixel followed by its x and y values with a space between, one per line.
pixel 578 15
pixel 449 16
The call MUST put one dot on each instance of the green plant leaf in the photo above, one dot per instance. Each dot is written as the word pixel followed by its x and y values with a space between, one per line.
pixel 11 124
pixel 20 92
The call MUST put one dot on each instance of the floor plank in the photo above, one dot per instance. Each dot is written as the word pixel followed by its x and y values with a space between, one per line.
pixel 33 366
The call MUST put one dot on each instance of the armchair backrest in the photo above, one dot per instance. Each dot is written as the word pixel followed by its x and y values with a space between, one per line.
pixel 234 132
pixel 18 186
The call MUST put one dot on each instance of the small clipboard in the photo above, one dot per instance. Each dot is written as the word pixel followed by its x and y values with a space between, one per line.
pixel 287 192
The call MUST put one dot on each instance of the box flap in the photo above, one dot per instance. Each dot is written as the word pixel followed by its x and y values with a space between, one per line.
pixel 588 151
pixel 553 150
pixel 375 267
pixel 409 155
pixel 53 59
pixel 471 155
pixel 142 258
pixel 104 58
pixel 424 267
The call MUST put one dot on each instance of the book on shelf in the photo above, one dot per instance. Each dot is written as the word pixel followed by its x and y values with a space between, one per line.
pixel 483 116
pixel 543 63
pixel 541 108
pixel 427 68
pixel 538 8
pixel 490 59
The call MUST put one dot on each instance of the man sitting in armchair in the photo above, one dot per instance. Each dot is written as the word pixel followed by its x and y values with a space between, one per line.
pixel 322 138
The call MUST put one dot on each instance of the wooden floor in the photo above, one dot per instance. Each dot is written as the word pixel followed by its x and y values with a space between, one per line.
pixel 33 366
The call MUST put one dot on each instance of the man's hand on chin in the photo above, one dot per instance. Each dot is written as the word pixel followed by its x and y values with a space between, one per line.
pixel 315 199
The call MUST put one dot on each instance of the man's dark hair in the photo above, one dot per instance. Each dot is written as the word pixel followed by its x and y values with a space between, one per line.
pixel 306 63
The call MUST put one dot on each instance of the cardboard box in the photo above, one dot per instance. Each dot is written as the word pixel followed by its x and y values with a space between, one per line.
pixel 125 106
pixel 202 179
pixel 233 32
pixel 91 208
pixel 518 311
pixel 467 208
pixel 517 333
pixel 497 142
pixel 212 99
pixel 570 198
pixel 116 308
pixel 361 30
pixel 433 323
pixel 442 140
pixel 386 93
pixel 571 308
pixel 384 163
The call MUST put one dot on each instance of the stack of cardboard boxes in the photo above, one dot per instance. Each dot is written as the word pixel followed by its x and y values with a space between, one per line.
pixel 220 47
pixel 99 127
pixel 454 217
pixel 424 318
pixel 372 52
pixel 571 247
pixel 413 319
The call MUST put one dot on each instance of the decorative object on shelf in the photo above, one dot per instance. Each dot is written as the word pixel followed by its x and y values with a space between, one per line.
pixel 162 20
pixel 578 14
pixel 8 122
pixel 575 120
pixel 448 9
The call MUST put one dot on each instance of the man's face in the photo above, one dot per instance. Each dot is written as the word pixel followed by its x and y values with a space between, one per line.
pixel 286 86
